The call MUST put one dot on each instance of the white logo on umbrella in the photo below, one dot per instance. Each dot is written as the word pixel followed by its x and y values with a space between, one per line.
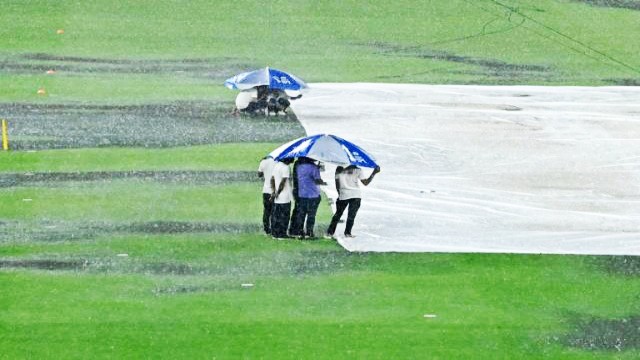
pixel 302 147
pixel 281 80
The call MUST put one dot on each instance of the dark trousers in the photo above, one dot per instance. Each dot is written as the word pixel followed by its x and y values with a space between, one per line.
pixel 267 208
pixel 293 225
pixel 280 219
pixel 307 209
pixel 255 106
pixel 341 205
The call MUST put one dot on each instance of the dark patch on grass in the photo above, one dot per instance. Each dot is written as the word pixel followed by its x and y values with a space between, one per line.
pixel 63 58
pixel 624 4
pixel 622 265
pixel 45 264
pixel 104 265
pixel 276 264
pixel 61 231
pixel 297 261
pixel 179 269
pixel 484 77
pixel 491 67
pixel 179 289
pixel 55 126
pixel 184 177
pixel 176 227
pixel 218 68
pixel 289 263
pixel 592 333
pixel 623 82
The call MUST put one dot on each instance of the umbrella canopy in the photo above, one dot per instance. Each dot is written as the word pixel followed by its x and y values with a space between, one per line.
pixel 326 148
pixel 274 78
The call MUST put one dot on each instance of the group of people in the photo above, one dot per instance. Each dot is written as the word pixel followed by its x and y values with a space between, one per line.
pixel 263 100
pixel 302 186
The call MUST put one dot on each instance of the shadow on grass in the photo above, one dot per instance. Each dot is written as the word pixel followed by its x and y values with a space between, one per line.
pixel 498 71
pixel 602 334
pixel 45 264
pixel 175 227
pixel 218 68
pixel 624 82
pixel 69 231
pixel 592 333
pixel 620 265
pixel 625 4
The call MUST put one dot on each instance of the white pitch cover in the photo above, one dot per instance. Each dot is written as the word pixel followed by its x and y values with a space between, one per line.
pixel 496 169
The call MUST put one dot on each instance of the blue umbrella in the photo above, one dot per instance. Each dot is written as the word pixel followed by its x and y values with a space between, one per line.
pixel 274 78
pixel 325 148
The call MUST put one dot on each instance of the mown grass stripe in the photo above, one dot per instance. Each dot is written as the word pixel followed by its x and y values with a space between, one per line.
pixel 24 179
pixel 16 232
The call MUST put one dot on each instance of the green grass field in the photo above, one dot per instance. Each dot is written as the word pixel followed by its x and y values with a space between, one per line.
pixel 130 210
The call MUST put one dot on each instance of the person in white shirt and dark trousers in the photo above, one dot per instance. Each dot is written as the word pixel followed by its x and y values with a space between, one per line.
pixel 264 171
pixel 349 196
pixel 281 196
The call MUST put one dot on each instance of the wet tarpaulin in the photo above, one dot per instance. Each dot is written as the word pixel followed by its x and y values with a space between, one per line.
pixel 518 169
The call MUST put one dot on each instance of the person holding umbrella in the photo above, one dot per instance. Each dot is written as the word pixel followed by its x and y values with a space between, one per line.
pixel 349 196
pixel 332 149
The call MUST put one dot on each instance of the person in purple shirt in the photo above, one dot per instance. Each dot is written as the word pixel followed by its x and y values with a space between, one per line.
pixel 308 197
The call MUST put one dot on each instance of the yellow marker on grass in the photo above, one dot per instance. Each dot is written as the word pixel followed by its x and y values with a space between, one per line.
pixel 5 136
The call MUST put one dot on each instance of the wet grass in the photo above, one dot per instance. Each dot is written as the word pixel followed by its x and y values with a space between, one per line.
pixel 598 334
pixel 175 57
pixel 141 200
pixel 140 235
pixel 57 126
pixel 214 254
pixel 102 258
pixel 504 303
pixel 56 231
pixel 218 157
pixel 186 177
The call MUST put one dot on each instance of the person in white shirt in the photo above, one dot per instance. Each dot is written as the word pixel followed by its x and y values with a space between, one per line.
pixel 265 170
pixel 252 101
pixel 281 195
pixel 349 195
pixel 243 99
